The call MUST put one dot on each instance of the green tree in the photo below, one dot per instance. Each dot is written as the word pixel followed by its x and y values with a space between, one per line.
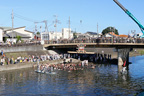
pixel 18 39
pixel 110 29
pixel 5 39
pixel 38 33
pixel 74 35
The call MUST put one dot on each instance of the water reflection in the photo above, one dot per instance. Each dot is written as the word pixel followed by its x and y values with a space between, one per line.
pixel 104 80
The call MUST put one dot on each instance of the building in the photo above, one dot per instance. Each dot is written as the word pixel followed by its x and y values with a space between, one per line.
pixel 123 36
pixel 20 31
pixel 111 34
pixel 12 36
pixel 55 36
pixel 66 33
pixel 1 35
pixel 92 34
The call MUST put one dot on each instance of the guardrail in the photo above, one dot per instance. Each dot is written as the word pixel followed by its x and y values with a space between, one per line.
pixel 19 44
pixel 98 40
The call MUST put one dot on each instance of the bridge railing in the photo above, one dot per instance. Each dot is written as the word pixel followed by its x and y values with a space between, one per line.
pixel 19 44
pixel 96 40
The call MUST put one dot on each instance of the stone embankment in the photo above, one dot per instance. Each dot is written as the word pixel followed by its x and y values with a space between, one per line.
pixel 22 48
pixel 31 64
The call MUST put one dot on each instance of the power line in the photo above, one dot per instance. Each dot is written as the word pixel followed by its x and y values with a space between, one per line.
pixel 24 18
pixel 36 21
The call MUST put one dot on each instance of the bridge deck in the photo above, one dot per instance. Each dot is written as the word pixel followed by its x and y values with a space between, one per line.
pixel 116 45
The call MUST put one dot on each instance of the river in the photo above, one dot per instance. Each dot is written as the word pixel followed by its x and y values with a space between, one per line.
pixel 104 80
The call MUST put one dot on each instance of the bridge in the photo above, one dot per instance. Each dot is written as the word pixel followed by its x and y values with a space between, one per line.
pixel 123 49
pixel 105 45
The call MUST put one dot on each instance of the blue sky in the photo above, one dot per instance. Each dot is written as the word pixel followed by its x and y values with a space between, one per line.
pixel 104 12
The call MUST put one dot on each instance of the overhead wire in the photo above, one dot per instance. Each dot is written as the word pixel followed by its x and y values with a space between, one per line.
pixel 31 20
pixel 24 18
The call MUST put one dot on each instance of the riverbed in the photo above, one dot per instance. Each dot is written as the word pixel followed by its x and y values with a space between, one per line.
pixel 104 80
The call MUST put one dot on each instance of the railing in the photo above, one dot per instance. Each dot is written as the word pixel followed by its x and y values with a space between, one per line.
pixel 20 44
pixel 80 40
pixel 98 40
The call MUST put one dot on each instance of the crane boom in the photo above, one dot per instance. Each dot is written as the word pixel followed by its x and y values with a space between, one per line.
pixel 131 16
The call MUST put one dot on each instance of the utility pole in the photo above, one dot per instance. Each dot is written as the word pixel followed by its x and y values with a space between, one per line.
pixel 35 27
pixel 40 29
pixel 56 21
pixel 97 30
pixel 46 29
pixel 69 27
pixel 12 24
pixel 41 33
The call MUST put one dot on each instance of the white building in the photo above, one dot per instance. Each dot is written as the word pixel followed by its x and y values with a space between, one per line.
pixel 1 35
pixel 108 35
pixel 55 36
pixel 11 35
pixel 66 33
pixel 22 30
pixel 93 34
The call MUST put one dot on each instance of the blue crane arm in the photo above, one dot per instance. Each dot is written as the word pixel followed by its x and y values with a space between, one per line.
pixel 130 15
pixel 139 24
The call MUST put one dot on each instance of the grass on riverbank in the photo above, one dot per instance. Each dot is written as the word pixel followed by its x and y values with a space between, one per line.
pixel 17 54
pixel 142 52
pixel 25 54
pixel 136 52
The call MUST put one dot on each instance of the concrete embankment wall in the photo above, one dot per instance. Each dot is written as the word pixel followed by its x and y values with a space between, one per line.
pixel 105 50
pixel 31 64
pixel 22 48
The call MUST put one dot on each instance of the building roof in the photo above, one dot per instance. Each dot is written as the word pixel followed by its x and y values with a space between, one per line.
pixel 10 28
pixel 5 28
pixel 112 33
pixel 92 33
pixel 15 28
pixel 29 31
pixel 126 36
pixel 14 34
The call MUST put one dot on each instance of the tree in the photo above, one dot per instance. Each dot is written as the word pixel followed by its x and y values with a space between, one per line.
pixel 38 33
pixel 5 39
pixel 110 29
pixel 18 39
pixel 75 35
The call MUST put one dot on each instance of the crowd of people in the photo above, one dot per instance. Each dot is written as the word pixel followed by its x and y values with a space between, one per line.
pixel 47 67
pixel 31 58
pixel 102 39
pixel 44 68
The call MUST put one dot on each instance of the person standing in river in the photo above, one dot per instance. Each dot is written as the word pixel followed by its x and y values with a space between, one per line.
pixel 2 61
pixel 2 52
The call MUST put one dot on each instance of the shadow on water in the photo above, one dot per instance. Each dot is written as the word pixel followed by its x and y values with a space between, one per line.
pixel 104 80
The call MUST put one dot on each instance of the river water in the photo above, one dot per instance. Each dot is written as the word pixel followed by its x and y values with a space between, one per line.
pixel 104 80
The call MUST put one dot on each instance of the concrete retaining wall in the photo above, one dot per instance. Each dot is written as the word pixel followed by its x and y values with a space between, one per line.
pixel 31 64
pixel 15 66
pixel 22 48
